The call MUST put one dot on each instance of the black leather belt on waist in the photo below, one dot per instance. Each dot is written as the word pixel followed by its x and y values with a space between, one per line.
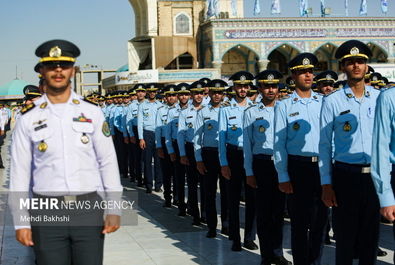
pixel 210 149
pixel 188 143
pixel 234 147
pixel 263 157
pixel 354 168
pixel 70 198
pixel 311 159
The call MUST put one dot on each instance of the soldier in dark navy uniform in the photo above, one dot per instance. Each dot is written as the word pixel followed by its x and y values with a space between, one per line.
pixel 296 159
pixel 231 159
pixel 347 119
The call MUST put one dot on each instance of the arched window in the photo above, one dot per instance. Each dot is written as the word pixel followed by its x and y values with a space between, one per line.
pixel 182 24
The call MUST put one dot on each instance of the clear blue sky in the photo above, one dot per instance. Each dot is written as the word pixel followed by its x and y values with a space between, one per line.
pixel 101 28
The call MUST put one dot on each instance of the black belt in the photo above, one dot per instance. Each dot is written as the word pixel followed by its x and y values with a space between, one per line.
pixel 354 168
pixel 70 198
pixel 213 149
pixel 263 157
pixel 234 147
pixel 311 159
pixel 188 143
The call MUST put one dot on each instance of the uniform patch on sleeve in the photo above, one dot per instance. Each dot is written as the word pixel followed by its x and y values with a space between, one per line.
pixel 106 129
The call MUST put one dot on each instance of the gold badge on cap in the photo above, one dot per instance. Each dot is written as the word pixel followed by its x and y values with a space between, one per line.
pixel 84 138
pixel 347 127
pixel 306 61
pixel 262 129
pixel 296 126
pixel 234 127
pixel 354 51
pixel 42 146
pixel 55 52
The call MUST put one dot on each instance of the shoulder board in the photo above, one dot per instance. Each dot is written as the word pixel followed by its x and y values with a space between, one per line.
pixel 334 91
pixel 225 104
pixel 201 108
pixel 252 105
pixel 91 102
pixel 160 107
pixel 284 97
pixel 27 108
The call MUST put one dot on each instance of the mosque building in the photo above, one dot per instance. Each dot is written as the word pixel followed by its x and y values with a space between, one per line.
pixel 176 42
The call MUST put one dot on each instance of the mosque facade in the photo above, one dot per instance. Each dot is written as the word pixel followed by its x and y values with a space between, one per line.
pixel 175 41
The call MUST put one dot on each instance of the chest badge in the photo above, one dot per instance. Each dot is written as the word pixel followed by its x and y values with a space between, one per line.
pixel 347 127
pixel 296 126
pixel 234 127
pixel 209 126
pixel 82 118
pixel 84 138
pixel 262 129
pixel 42 146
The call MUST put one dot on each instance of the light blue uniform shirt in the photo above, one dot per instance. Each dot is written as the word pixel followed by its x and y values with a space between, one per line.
pixel 171 127
pixel 124 124
pixel 131 116
pixel 206 131
pixel 117 118
pixel 383 148
pixel 186 127
pixel 108 112
pixel 347 121
pixel 231 127
pixel 258 133
pixel 296 130
pixel 161 120
pixel 146 116
pixel 112 115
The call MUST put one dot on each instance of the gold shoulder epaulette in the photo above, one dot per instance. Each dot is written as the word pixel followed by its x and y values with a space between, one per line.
pixel 225 104
pixel 90 101
pixel 284 97
pixel 27 108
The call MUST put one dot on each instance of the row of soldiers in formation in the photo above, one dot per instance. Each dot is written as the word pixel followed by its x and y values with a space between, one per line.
pixel 315 149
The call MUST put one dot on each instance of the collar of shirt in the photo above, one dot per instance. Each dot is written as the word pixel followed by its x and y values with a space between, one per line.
pixel 349 93
pixel 295 98
pixel 234 104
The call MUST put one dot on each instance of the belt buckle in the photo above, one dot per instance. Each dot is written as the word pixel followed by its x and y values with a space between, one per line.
pixel 365 170
pixel 314 159
pixel 70 198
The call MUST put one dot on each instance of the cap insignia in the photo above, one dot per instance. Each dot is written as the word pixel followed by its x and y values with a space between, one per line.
pixel 217 85
pixel 354 51
pixel 270 77
pixel 328 76
pixel 292 82
pixel 242 78
pixel 199 86
pixel 171 89
pixel 374 78
pixel 55 52
pixel 306 61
